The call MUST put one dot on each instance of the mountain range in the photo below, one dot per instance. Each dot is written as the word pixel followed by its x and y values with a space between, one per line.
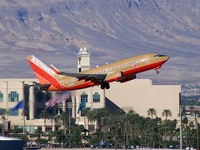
pixel 54 31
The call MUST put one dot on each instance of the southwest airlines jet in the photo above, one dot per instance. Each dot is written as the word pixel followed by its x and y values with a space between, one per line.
pixel 121 71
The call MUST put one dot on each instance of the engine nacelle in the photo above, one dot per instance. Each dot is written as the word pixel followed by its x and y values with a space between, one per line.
pixel 127 78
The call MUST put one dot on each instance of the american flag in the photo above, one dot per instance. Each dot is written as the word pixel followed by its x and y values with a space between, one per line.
pixel 57 99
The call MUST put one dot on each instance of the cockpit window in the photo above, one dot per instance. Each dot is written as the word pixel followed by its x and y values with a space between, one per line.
pixel 158 55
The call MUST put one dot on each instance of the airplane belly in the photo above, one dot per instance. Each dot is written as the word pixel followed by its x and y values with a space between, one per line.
pixel 79 86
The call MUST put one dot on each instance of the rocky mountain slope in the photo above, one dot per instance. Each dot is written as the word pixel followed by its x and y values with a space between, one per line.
pixel 54 31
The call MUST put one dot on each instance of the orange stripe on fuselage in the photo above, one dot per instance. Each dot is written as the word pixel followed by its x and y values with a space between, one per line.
pixel 129 72
pixel 45 75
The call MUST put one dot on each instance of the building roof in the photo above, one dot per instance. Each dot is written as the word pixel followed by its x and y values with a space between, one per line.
pixel 3 138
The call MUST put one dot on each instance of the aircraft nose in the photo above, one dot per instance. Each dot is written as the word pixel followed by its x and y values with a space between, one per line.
pixel 166 57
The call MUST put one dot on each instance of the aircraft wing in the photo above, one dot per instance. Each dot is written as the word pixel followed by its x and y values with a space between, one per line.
pixel 87 77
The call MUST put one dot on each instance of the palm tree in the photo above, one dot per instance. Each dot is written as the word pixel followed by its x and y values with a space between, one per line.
pixel 91 116
pixel 85 112
pixel 51 117
pixel 167 113
pixel 152 112
pixel 4 113
pixel 128 119
pixel 44 114
pixel 99 114
pixel 196 114
pixel 63 117
pixel 116 121
pixel 24 114
pixel 185 122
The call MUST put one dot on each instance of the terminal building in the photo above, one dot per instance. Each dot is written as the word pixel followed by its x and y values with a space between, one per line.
pixel 138 95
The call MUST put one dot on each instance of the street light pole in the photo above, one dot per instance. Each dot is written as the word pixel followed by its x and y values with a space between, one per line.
pixel 69 120
pixel 180 112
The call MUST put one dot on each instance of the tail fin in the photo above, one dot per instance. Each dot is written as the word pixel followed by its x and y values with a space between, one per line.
pixel 44 74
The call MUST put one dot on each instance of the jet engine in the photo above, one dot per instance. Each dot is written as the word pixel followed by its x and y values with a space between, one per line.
pixel 126 78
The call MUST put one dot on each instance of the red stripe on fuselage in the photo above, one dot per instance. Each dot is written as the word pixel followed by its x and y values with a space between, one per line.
pixel 129 72
pixel 138 70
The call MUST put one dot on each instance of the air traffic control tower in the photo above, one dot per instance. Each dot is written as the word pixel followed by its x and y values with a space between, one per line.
pixel 83 60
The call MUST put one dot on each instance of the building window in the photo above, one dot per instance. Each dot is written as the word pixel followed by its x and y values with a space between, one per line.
pixel 69 100
pixel 96 97
pixel 84 97
pixel 26 128
pixel 13 113
pixel 39 128
pixel 56 128
pixel 2 111
pixel 1 97
pixel 48 128
pixel 13 96
pixel 32 128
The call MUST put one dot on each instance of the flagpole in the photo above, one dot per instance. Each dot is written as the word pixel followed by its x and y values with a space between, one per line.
pixel 24 123
pixel 23 98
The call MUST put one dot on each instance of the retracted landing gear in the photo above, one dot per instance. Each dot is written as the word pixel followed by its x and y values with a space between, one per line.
pixel 105 85
pixel 157 71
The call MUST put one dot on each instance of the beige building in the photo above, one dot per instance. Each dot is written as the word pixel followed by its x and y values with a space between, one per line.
pixel 140 95
pixel 13 91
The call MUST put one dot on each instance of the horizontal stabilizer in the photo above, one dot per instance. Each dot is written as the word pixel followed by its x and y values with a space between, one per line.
pixel 41 86
pixel 55 69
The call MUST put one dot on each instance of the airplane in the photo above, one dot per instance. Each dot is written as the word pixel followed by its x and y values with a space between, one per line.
pixel 52 79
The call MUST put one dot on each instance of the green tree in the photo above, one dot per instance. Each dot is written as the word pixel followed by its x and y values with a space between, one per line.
pixel 85 113
pixel 74 138
pixel 64 118
pixel 185 128
pixel 151 112
pixel 196 113
pixel 166 113
pixel 4 114
pixel 44 114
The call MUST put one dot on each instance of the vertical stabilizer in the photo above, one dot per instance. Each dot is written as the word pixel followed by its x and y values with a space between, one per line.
pixel 44 74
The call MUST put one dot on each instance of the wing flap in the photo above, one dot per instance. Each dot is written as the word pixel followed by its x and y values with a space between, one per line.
pixel 87 77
